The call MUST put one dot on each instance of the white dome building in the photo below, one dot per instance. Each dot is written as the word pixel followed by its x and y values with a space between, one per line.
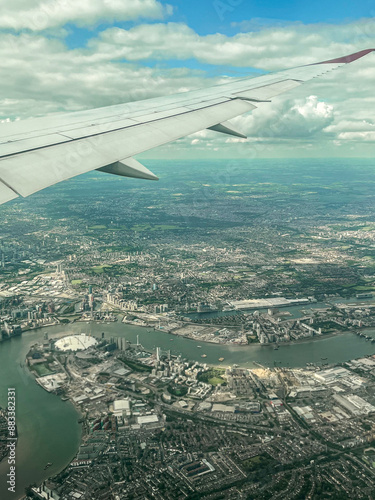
pixel 75 343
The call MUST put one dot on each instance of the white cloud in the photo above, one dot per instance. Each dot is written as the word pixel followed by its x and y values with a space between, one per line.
pixel 283 124
pixel 271 48
pixel 368 136
pixel 44 14
pixel 40 75
pixel 302 118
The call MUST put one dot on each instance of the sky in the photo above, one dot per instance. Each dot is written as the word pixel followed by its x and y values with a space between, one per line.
pixel 68 55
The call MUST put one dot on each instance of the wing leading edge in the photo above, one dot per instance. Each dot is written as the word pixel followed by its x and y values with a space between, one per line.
pixel 38 153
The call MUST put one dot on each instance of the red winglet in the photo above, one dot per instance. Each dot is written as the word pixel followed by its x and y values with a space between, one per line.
pixel 348 59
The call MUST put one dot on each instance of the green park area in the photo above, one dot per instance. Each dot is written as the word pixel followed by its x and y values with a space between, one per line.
pixel 213 376
pixel 177 390
pixel 252 339
pixel 100 269
pixel 136 366
pixel 364 288
pixel 163 227
pixel 149 227
pixel 258 462
pixel 329 326
pixel 41 369
pixel 98 227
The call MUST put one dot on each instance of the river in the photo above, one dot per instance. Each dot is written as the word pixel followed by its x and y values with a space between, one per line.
pixel 48 428
pixel 336 348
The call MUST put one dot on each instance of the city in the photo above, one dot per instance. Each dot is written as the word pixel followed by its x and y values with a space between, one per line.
pixel 211 335
pixel 158 426
pixel 184 416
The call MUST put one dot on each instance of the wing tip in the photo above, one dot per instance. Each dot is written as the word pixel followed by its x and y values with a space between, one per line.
pixel 348 59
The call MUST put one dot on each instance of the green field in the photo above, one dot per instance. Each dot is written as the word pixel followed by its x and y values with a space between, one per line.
pixel 213 376
pixel 328 326
pixel 163 227
pixel 134 365
pixel 252 339
pixel 216 381
pixel 41 370
pixel 258 462
pixel 100 269
pixel 177 390
pixel 141 227
pixel 156 227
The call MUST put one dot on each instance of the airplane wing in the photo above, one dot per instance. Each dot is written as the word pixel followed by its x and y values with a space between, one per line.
pixel 38 153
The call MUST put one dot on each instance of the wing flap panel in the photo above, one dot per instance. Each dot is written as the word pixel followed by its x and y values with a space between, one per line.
pixel 6 194
pixel 37 153
pixel 129 168
pixel 97 129
pixel 263 93
pixel 13 147
pixel 228 129
pixel 63 161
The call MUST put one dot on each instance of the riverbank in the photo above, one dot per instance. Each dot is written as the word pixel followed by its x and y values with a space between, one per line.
pixel 86 327
pixel 252 344
pixel 234 353
pixel 48 428
pixel 49 425
pixel 256 345
pixel 148 321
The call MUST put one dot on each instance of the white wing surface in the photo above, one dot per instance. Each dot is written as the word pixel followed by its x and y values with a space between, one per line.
pixel 38 153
